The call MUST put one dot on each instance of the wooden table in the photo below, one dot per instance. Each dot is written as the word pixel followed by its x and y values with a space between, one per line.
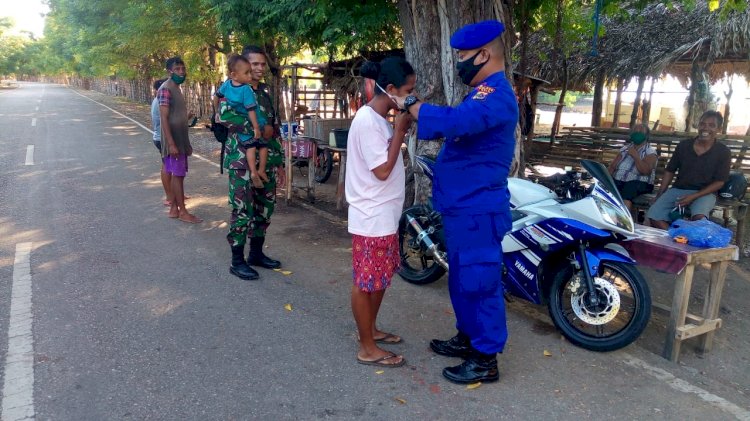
pixel 340 187
pixel 655 249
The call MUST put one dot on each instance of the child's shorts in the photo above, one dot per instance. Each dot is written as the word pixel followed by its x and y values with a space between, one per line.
pixel 374 261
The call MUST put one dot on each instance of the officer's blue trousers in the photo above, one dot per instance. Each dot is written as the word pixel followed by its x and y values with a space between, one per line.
pixel 474 280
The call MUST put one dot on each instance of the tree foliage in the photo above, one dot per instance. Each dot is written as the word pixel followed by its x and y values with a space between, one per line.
pixel 133 38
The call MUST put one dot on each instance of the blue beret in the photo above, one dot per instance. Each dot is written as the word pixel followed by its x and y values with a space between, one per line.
pixel 476 35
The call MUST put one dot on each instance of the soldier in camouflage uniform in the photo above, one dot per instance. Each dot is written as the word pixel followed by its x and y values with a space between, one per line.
pixel 252 207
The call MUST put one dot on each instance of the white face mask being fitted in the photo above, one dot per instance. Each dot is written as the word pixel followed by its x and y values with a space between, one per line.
pixel 393 98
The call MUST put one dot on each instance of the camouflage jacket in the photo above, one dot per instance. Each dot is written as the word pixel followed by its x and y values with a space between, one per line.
pixel 234 152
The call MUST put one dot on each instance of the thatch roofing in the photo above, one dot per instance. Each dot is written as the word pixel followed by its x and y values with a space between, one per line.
pixel 342 75
pixel 651 42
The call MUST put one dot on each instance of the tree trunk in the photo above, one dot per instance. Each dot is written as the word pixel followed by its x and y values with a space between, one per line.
pixel 427 27
pixel 618 103
pixel 596 112
pixel 637 102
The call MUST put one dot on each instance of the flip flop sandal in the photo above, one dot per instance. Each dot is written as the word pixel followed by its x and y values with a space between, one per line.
pixel 389 338
pixel 381 362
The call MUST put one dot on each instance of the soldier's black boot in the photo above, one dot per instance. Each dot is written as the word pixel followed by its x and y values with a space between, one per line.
pixel 457 346
pixel 477 367
pixel 239 267
pixel 256 256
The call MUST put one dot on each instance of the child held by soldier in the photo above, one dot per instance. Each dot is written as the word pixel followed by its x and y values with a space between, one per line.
pixel 237 105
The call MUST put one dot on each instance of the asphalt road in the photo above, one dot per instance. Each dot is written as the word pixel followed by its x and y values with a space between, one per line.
pixel 135 315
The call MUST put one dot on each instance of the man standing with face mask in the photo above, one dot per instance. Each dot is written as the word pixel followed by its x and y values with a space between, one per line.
pixel 470 189
pixel 175 140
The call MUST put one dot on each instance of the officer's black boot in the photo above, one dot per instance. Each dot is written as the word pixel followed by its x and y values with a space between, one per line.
pixel 256 256
pixel 478 367
pixel 239 267
pixel 457 346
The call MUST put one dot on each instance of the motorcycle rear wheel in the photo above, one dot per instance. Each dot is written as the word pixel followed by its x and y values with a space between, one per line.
pixel 602 329
pixel 416 266
pixel 324 165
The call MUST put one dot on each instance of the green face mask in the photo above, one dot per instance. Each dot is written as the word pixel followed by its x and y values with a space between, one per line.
pixel 177 78
pixel 637 137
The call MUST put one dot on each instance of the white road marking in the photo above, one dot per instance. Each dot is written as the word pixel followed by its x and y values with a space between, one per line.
pixel 685 387
pixel 30 155
pixel 33 122
pixel 36 109
pixel 18 388
pixel 194 155
pixel 668 378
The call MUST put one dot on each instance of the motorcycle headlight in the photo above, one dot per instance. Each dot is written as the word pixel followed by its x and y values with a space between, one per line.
pixel 614 215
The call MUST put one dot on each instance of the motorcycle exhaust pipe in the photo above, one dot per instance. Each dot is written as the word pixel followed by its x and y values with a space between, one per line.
pixel 423 237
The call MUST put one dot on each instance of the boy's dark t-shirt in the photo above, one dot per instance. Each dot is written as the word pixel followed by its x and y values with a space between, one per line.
pixel 696 172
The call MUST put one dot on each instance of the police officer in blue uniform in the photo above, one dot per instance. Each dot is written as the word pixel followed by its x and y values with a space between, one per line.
pixel 470 189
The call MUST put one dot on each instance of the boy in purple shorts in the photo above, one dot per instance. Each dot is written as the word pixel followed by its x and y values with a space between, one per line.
pixel 175 140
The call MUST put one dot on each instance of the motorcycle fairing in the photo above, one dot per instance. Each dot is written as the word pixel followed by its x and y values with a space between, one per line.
pixel 525 249
pixel 521 276
pixel 551 235
pixel 595 256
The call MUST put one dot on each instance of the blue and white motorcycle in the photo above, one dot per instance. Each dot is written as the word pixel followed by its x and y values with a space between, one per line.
pixel 562 251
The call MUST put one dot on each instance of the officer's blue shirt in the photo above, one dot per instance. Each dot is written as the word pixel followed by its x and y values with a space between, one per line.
pixel 471 172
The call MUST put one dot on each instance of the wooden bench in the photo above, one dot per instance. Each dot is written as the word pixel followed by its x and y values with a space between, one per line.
pixel 656 250
pixel 602 144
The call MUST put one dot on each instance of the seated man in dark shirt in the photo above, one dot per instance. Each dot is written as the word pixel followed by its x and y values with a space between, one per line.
pixel 702 167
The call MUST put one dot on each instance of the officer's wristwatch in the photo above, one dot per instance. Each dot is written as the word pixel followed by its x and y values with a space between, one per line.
pixel 409 101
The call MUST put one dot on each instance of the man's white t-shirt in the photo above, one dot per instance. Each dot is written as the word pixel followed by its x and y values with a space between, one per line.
pixel 374 205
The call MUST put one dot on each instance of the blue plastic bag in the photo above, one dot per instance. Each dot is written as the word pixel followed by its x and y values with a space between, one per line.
pixel 701 233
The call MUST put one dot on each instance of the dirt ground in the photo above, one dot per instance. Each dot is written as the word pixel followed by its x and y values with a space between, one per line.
pixel 727 363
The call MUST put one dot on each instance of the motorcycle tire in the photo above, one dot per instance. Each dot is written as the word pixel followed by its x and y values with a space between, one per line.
pixel 426 274
pixel 324 166
pixel 628 322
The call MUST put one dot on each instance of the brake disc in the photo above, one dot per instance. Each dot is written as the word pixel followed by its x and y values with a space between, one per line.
pixel 602 313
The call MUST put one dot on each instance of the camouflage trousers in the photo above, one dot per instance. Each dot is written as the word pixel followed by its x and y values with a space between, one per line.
pixel 251 208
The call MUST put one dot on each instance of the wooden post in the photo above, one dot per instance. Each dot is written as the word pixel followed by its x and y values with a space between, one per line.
pixel 646 115
pixel 680 300
pixel 728 94
pixel 529 147
pixel 618 102
pixel 323 101
pixel 637 102
pixel 596 112
pixel 712 301
pixel 560 103
pixel 290 118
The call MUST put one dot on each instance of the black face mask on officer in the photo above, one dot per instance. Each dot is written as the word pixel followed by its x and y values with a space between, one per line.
pixel 467 69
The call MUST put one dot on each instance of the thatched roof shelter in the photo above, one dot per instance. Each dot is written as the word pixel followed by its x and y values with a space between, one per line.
pixel 651 42
pixel 342 76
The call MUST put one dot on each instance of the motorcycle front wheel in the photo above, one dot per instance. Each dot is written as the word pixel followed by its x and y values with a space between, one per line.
pixel 619 318
pixel 416 266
